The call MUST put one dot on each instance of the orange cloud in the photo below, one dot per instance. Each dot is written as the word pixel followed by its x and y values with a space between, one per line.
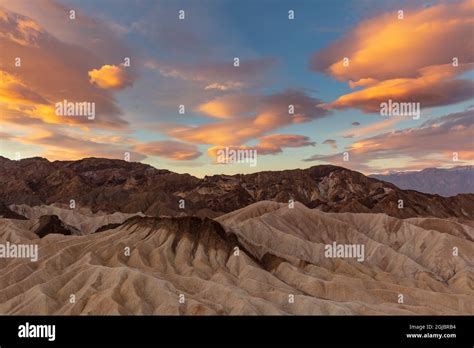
pixel 56 144
pixel 169 149
pixel 223 133
pixel 30 91
pixel 408 59
pixel 269 145
pixel 230 106
pixel 432 144
pixel 372 128
pixel 110 77
pixel 21 105
pixel 14 91
pixel 244 117
pixel 435 85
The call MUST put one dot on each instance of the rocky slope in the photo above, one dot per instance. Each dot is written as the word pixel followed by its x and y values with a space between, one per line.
pixel 50 224
pixel 119 186
pixel 6 212
pixel 266 258
pixel 445 182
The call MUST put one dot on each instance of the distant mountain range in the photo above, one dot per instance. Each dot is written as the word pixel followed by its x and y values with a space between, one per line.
pixel 118 186
pixel 444 182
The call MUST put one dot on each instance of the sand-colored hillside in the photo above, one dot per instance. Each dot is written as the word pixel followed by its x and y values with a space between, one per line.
pixel 83 220
pixel 280 267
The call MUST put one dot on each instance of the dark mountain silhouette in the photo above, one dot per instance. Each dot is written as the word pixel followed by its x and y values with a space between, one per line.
pixel 115 185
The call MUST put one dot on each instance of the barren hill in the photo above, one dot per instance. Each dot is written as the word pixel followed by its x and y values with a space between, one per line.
pixel 189 265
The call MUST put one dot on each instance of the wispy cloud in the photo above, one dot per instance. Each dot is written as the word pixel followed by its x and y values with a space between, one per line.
pixel 221 75
pixel 433 142
pixel 371 128
pixel 331 142
pixel 270 144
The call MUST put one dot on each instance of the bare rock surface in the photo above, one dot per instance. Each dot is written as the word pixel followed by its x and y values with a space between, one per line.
pixel 118 186
pixel 251 261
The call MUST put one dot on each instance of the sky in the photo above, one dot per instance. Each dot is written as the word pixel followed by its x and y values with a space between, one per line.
pixel 166 90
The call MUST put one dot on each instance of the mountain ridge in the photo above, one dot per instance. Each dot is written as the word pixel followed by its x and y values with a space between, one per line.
pixel 129 187
pixel 446 182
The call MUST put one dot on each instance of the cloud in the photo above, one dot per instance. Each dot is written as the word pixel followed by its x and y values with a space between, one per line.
pixel 61 145
pixel 434 86
pixel 273 144
pixel 169 149
pixel 436 34
pixel 331 142
pixel 110 77
pixel 58 144
pixel 55 57
pixel 226 86
pixel 270 144
pixel 456 119
pixel 405 60
pixel 432 143
pixel 221 76
pixel 371 128
pixel 13 90
pixel 243 117
pixel 356 123
pixel 230 106
pixel 98 37
pixel 24 33
pixel 30 91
